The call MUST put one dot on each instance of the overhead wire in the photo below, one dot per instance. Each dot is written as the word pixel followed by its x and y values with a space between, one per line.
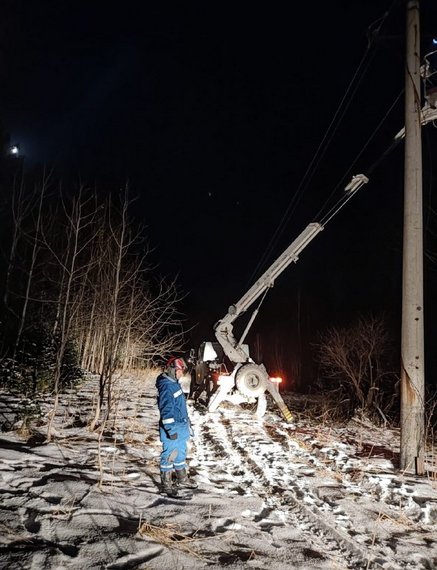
pixel 339 204
pixel 342 201
pixel 309 173
pixel 326 139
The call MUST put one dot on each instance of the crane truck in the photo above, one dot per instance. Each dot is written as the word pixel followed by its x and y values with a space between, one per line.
pixel 249 381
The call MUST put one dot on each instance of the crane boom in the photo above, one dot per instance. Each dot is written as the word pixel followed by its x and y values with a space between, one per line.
pixel 223 329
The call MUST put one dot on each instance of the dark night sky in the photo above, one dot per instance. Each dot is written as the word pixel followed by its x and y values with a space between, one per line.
pixel 214 113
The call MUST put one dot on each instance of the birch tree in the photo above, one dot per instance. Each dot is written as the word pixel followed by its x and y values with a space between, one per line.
pixel 72 268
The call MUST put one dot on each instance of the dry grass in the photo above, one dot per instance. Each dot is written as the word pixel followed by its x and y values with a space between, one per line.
pixel 24 430
pixel 135 431
pixel 401 521
pixel 66 508
pixel 13 534
pixel 170 536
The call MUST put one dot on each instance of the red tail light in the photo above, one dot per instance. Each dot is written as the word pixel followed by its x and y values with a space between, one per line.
pixel 274 380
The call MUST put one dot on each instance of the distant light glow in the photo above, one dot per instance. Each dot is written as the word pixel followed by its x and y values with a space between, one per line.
pixel 434 41
pixel 274 380
pixel 14 149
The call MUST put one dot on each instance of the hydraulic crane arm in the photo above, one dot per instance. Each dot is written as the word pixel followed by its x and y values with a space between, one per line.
pixel 224 327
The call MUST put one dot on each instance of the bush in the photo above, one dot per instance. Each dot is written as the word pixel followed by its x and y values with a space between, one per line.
pixel 356 371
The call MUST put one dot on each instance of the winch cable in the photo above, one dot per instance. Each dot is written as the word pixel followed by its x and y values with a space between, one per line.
pixel 372 34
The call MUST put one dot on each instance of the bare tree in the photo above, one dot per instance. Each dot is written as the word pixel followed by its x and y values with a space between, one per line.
pixel 355 367
pixel 20 208
pixel 134 315
pixel 35 246
pixel 89 286
pixel 119 240
pixel 72 269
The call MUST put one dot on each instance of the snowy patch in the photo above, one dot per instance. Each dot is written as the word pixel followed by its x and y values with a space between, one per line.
pixel 313 497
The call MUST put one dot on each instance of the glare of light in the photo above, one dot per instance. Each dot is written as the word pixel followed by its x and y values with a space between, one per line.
pixel 14 149
pixel 224 380
pixel 275 380
pixel 434 41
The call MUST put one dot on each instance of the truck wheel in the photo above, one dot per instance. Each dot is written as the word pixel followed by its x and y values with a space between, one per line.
pixel 251 380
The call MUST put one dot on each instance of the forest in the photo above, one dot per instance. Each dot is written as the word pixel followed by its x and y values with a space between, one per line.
pixel 79 294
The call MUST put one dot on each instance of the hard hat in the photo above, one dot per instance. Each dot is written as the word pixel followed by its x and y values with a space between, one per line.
pixel 177 364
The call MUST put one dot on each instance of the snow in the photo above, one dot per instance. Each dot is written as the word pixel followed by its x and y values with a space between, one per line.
pixel 271 495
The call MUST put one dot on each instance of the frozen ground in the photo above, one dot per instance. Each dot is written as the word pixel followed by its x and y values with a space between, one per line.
pixel 271 495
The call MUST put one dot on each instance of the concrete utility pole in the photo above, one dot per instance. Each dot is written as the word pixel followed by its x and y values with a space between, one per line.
pixel 412 344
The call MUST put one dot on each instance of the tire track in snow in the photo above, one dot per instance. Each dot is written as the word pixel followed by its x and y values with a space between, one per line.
pixel 243 454
pixel 291 495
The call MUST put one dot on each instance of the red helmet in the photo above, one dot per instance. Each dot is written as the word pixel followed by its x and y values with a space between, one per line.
pixel 177 364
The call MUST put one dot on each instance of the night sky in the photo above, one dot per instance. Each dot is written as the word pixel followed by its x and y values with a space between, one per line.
pixel 214 113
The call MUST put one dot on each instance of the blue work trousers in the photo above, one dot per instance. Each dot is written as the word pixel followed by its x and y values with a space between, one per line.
pixel 174 452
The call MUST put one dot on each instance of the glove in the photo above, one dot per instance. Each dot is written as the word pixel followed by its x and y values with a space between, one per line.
pixel 173 435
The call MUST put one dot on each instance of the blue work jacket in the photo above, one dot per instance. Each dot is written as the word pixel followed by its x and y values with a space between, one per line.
pixel 172 408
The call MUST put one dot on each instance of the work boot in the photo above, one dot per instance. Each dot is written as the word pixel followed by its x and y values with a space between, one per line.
pixel 183 481
pixel 167 484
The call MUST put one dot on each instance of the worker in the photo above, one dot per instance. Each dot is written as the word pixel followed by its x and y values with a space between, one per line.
pixel 174 429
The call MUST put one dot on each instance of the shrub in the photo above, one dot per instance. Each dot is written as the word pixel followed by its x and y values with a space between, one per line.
pixel 356 370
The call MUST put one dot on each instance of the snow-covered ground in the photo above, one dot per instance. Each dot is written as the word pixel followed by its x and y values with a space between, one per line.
pixel 271 495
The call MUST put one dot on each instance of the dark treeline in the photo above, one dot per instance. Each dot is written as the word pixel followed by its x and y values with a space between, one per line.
pixel 78 292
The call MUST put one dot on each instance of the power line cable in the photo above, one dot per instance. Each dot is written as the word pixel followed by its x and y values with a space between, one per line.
pixel 318 155
pixel 394 143
pixel 321 150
